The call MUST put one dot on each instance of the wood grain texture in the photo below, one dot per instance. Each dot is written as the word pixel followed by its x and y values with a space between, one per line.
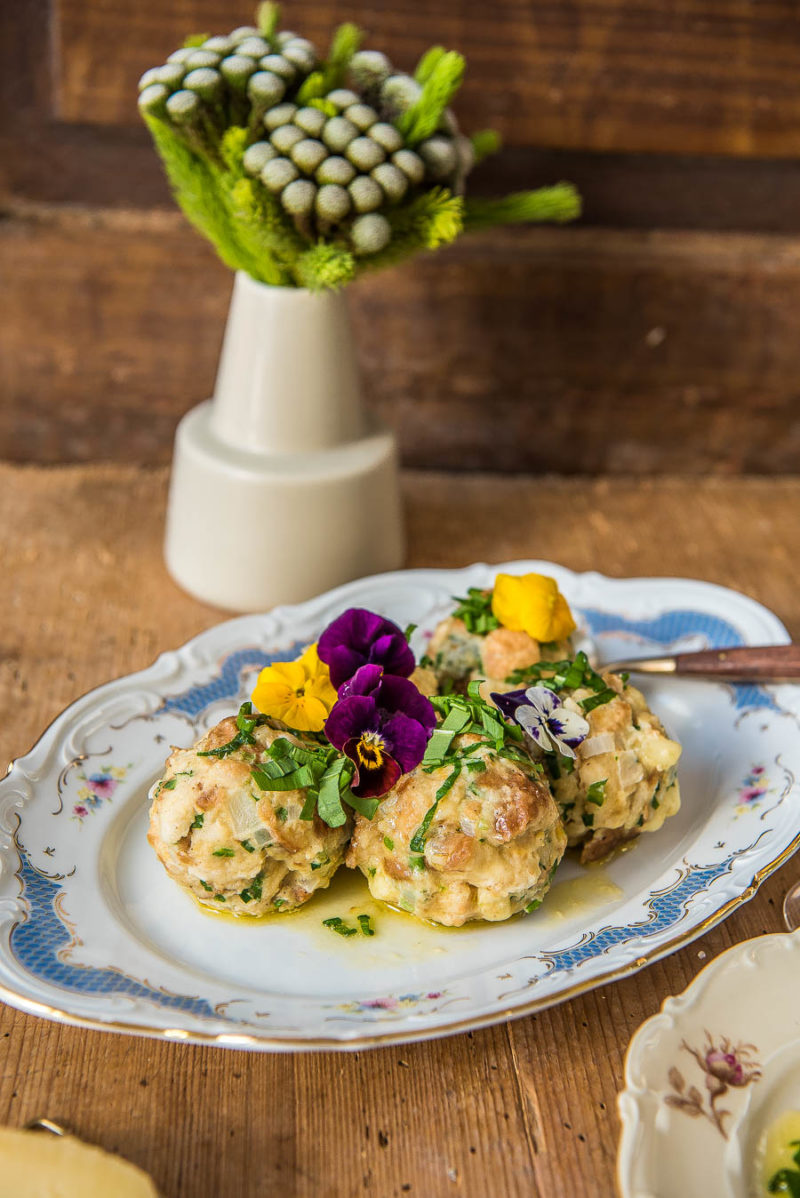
pixel 548 349
pixel 695 77
pixel 529 1107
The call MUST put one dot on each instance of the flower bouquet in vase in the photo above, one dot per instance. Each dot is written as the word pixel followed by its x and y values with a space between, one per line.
pixel 304 171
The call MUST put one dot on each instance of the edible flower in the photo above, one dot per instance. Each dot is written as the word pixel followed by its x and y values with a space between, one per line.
pixel 382 723
pixel 360 637
pixel 542 714
pixel 299 693
pixel 532 603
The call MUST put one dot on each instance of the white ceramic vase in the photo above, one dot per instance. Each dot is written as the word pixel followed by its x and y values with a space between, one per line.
pixel 282 485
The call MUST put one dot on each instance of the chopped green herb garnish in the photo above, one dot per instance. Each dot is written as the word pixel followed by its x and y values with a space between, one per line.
pixel 282 815
pixel 410 629
pixel 567 675
pixel 223 853
pixel 787 1181
pixel 533 905
pixel 588 819
pixel 321 859
pixel 279 902
pixel 205 885
pixel 219 898
pixel 388 843
pixel 245 896
pixel 338 925
pixel 640 821
pixel 198 821
pixel 476 611
pixel 245 722
pixel 247 846
pixel 597 793
pixel 371 870
pixel 416 862
pixel 365 923
pixel 255 887
pixel 171 783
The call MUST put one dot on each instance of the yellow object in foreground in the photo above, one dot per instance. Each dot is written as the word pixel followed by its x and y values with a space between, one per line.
pixel 36 1165
pixel 777 1149
pixel 533 604
pixel 299 693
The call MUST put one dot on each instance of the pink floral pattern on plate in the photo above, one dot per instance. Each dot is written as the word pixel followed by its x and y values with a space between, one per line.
pixel 392 1002
pixel 725 1066
pixel 97 788
pixel 754 788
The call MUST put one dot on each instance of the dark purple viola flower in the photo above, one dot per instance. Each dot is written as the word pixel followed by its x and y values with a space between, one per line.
pixel 391 693
pixel 360 637
pixel 384 732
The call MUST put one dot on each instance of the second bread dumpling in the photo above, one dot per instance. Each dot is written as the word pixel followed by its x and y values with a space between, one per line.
pixel 487 849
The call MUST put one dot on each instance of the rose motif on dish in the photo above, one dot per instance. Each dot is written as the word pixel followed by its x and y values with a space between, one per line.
pixel 724 1066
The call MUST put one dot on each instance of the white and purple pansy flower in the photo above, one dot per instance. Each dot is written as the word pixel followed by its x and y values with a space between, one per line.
pixel 542 715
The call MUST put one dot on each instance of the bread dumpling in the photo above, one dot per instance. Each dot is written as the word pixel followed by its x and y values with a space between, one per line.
pixel 232 845
pixel 490 850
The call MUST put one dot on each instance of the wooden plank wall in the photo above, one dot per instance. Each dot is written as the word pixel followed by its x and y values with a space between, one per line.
pixel 661 334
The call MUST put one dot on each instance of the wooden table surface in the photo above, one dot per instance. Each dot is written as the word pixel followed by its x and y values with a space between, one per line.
pixel 525 1108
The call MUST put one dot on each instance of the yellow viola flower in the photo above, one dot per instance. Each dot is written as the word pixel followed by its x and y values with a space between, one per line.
pixel 533 604
pixel 299 693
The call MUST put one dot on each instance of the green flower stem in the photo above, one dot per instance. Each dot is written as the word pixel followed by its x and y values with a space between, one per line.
pixel 560 203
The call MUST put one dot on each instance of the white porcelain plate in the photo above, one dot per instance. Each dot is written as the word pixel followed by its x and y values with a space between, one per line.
pixel 92 931
pixel 707 1077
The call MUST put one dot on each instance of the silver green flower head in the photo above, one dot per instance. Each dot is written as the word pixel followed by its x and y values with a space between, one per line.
pixel 301 167
pixel 279 173
pixel 338 132
pixel 257 156
pixel 336 170
pixel 171 74
pixel 371 233
pixel 253 47
pixel 333 202
pixel 278 65
pixel 298 197
pixel 206 82
pixel 368 69
pixel 282 114
pixel 285 137
pixel 183 107
pixel 202 58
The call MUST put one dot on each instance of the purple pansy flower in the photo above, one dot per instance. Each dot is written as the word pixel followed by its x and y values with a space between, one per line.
pixel 541 713
pixel 360 637
pixel 382 723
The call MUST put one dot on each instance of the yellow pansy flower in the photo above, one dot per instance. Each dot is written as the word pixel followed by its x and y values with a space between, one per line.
pixel 299 693
pixel 532 603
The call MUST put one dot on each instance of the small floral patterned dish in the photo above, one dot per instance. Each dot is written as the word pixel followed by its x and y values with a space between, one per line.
pixel 93 932
pixel 707 1078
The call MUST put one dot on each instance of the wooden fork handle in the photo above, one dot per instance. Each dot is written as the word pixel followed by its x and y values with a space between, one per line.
pixel 752 662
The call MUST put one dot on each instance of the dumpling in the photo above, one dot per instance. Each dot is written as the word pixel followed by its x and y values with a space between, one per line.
pixel 231 844
pixel 489 850
pixel 624 779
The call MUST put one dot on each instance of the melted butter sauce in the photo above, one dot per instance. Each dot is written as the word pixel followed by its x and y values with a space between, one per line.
pixel 775 1151
pixel 581 896
pixel 348 897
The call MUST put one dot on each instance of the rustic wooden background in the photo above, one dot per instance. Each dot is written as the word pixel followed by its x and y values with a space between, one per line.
pixel 661 334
